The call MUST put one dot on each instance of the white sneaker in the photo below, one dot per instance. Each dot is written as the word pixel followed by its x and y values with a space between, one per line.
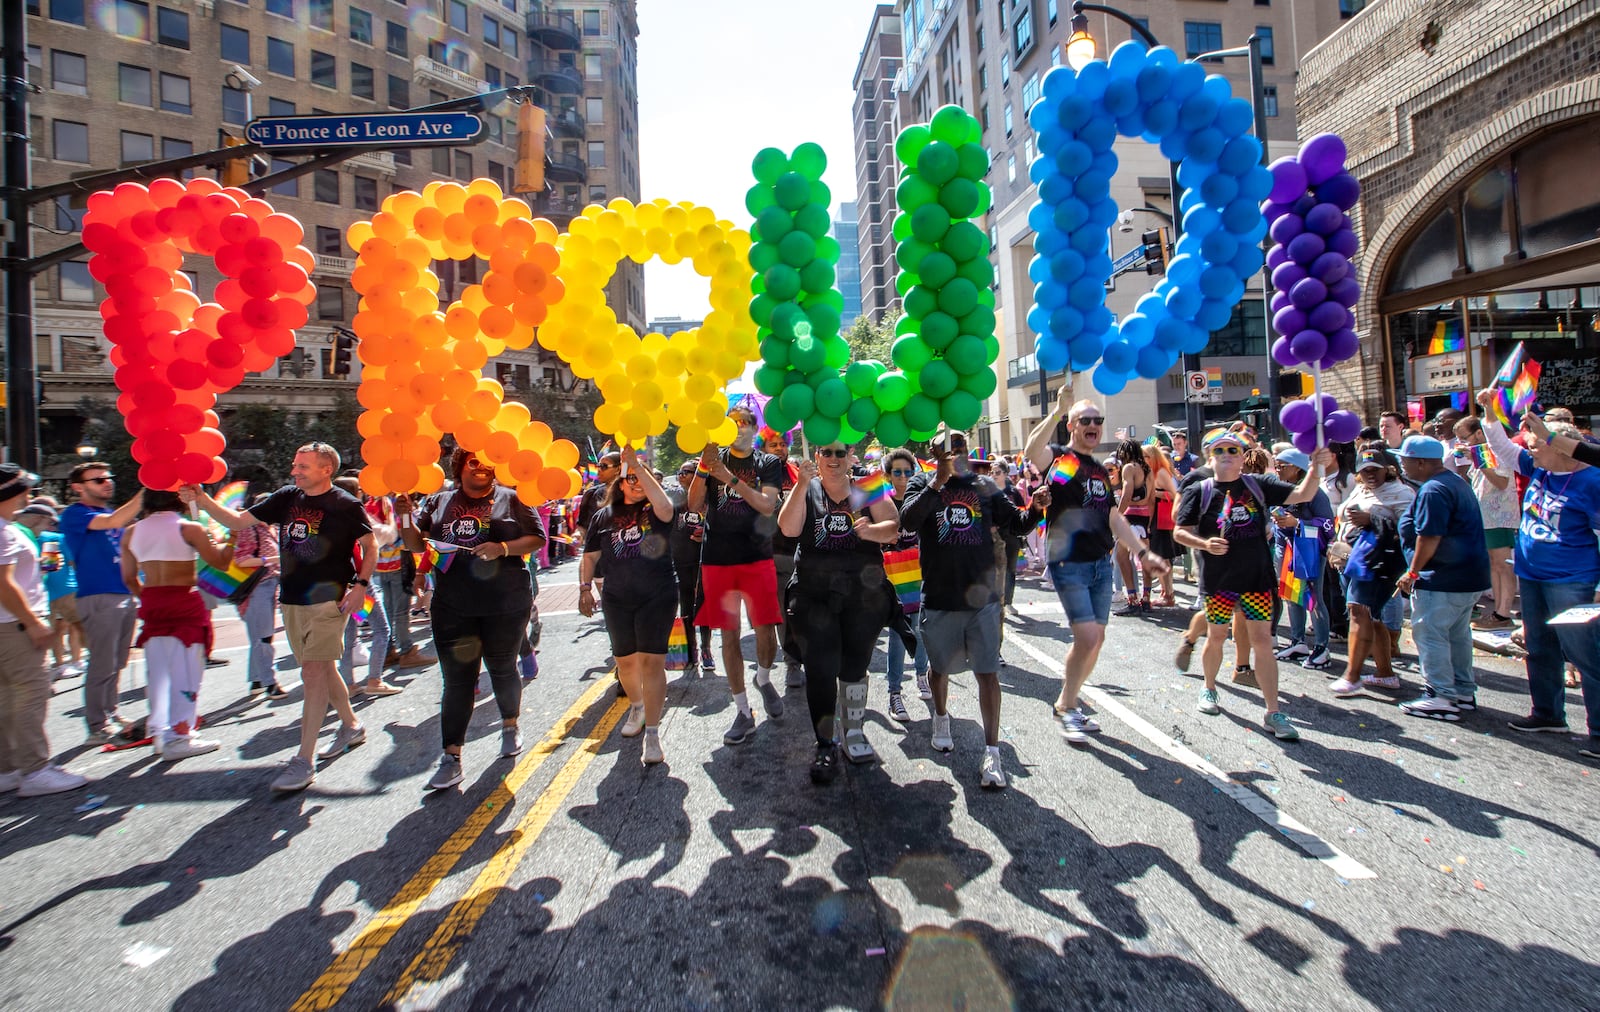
pixel 924 690
pixel 49 780
pixel 652 749
pixel 10 781
pixel 1293 651
pixel 993 774
pixel 183 748
pixel 942 742
pixel 635 722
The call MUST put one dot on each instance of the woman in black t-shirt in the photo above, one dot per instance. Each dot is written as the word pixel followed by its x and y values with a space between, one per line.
pixel 630 536
pixel 688 532
pixel 839 599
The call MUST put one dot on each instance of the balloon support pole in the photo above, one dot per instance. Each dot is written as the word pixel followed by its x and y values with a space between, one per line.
pixel 1316 387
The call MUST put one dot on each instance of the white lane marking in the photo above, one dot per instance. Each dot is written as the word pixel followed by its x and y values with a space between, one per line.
pixel 1298 833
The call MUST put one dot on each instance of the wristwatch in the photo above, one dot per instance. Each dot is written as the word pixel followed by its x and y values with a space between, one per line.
pixel 364 583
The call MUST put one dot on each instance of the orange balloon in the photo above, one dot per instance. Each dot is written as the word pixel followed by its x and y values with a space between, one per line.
pixel 400 475
pixel 525 466
pixel 561 455
pixel 554 483
pixel 500 447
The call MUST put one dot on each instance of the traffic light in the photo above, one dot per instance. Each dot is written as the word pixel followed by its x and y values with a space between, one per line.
pixel 1155 251
pixel 1255 411
pixel 235 171
pixel 1293 384
pixel 342 343
pixel 530 148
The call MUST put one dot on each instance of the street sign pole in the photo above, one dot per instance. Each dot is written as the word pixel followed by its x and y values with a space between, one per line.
pixel 22 406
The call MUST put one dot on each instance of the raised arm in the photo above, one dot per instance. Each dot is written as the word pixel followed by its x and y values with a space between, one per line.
pixel 660 502
pixel 1311 481
pixel 122 516
pixel 1038 446
pixel 218 512
pixel 212 554
pixel 792 517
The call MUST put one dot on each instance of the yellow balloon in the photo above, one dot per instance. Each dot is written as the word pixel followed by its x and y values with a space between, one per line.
pixel 692 438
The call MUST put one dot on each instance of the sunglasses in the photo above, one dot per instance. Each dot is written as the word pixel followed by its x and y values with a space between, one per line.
pixel 1091 420
pixel 102 479
pixel 631 479
pixel 902 473
pixel 836 454
pixel 478 465
pixel 1231 451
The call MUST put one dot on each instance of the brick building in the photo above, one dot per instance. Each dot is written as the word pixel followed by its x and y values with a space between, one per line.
pixel 1474 126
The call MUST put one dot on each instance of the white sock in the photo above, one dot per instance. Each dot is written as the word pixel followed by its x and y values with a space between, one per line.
pixel 763 675
pixel 650 732
pixel 742 701
pixel 994 750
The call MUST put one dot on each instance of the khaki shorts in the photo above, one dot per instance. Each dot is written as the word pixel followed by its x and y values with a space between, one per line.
pixel 315 631
pixel 65 609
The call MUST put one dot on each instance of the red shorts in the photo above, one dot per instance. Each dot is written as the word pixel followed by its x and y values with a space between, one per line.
pixel 753 583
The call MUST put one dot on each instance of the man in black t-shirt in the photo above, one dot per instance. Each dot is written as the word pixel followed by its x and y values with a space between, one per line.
pixel 1082 524
pixel 1227 518
pixel 319 530
pixel 608 467
pixel 783 549
pixel 738 495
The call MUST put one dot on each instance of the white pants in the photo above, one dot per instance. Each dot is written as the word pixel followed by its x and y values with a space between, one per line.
pixel 173 691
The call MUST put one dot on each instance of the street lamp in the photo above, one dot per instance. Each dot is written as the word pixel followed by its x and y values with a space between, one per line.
pixel 1080 48
pixel 87 450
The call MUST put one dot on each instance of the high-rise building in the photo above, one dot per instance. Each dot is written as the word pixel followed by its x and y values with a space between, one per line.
pixel 142 81
pixel 845 234
pixel 875 117
pixel 666 326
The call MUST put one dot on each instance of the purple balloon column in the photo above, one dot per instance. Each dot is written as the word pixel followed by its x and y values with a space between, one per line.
pixel 1313 279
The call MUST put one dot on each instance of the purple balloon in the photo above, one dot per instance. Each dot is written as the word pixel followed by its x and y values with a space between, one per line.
pixel 1283 354
pixel 1325 219
pixel 1341 426
pixel 1343 191
pixel 1286 228
pixel 1344 242
pixel 1289 321
pixel 1343 344
pixel 1305 442
pixel 1330 267
pixel 1307 295
pixel 1304 205
pixel 1286 277
pixel 1275 256
pixel 1329 403
pixel 1298 416
pixel 1346 292
pixel 1306 247
pixel 1272 210
pixel 1322 157
pixel 1288 179
pixel 1309 345
pixel 1327 318
pixel 1280 302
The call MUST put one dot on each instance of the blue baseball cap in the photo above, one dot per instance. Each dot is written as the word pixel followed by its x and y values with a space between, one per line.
pixel 1421 448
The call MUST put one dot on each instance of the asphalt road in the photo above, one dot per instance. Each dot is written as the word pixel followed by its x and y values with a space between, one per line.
pixel 1178 862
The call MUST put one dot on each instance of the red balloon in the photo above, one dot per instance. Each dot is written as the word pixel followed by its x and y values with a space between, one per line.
pixel 264 251
pixel 219 470
pixel 238 227
pixel 259 314
pixel 207 441
pixel 194 468
pixel 259 282
pixel 188 375
pixel 291 314
pixel 163 443
pixel 140 422
pixel 192 344
pixel 224 379
pixel 224 354
pixel 185 418
pixel 161 473
pixel 212 421
pixel 156 395
pixel 230 259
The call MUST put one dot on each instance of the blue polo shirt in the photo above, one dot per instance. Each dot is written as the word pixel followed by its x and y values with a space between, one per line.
pixel 96 554
pixel 1446 508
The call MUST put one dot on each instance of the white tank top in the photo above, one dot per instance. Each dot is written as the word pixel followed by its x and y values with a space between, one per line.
pixel 157 538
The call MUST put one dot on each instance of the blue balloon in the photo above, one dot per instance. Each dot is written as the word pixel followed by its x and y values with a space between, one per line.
pixel 1074 111
pixel 1038 269
pixel 1183 301
pixel 1039 320
pixel 1219 246
pixel 1217 89
pixel 1151 305
pixel 1214 314
pixel 1187 80
pixel 1153 362
pixel 1055 188
pixel 1235 116
pixel 1248 261
pixel 1161 116
pixel 1058 82
pixel 1137 330
pixel 1066 322
pixel 1206 144
pixel 1192 171
pixel 1256 184
pixel 1085 352
pixel 1105 161
pixel 1190 200
pixel 1049 141
pixel 1197 112
pixel 1092 80
pixel 1098 265
pixel 1196 340
pixel 1050 243
pixel 1201 221
pixel 1153 82
pixel 1050 295
pixel 1070 215
pixel 1042 115
pixel 1240 216
pixel 1074 158
pixel 1216 280
pixel 1127 60
pixel 1121 97
pixel 1164 56
pixel 1239 155
pixel 1119 356
pixel 1052 354
pixel 1088 240
pixel 1099 319
pixel 1067 266
pixel 1257 232
pixel 1236 292
pixel 1086 293
pixel 1171 334
pixel 1174 145
pixel 1040 169
pixel 1103 214
pixel 1184 270
pixel 1041 217
pixel 1219 188
pixel 1099 133
pixel 1131 124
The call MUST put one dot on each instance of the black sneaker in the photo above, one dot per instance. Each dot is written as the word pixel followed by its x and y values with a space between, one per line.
pixel 1591 750
pixel 1535 724
pixel 1468 705
pixel 825 767
pixel 1318 660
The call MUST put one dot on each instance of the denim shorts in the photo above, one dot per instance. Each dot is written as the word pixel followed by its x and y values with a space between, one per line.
pixel 1084 589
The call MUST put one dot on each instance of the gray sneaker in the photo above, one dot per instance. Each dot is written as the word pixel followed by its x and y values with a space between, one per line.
pixel 1280 727
pixel 794 676
pixel 1076 726
pixel 344 739
pixel 448 773
pixel 771 700
pixel 510 741
pixel 1210 702
pixel 739 732
pixel 296 775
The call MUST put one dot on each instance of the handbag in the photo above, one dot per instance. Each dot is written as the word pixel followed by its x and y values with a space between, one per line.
pixel 1361 565
pixel 1164 514
pixel 1306 547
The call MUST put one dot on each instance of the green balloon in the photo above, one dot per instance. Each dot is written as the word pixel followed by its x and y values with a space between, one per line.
pixel 973 161
pixel 937 163
pixel 961 410
pixel 860 377
pixel 938 330
pixel 835 352
pixel 910 143
pixel 813 220
pixel 966 355
pixel 796 400
pixel 773 224
pixel 980 321
pixel 936 269
pixel 792 190
pixel 980 272
pixel 959 197
pixel 986 298
pixel 919 302
pixel 762 256
pixel 809 160
pixel 910 354
pixel 991 348
pixel 980 384
pixel 956 298
pixel 757 199
pixel 758 284
pixel 769 164
pixel 985 199
pixel 902 227
pixel 776 418
pixel 833 397
pixel 904 281
pixel 806 355
pixel 825 324
pixel 922 413
pixel 784 317
pixel 775 353
pixel 949 124
pixel 782 281
pixel 768 380
pixel 892 392
pixel 827 248
pixel 816 276
pixel 821 195
pixel 821 429
pixel 905 325
pixel 761 310
pixel 862 414
pixel 828 297
pixel 817 377
pixel 929 223
pixel 914 192
pixel 965 241
pixel 891 429
pixel 909 253
pixel 797 249
pixel 849 435
pixel 938 379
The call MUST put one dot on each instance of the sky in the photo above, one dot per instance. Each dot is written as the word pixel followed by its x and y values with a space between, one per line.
pixel 721 79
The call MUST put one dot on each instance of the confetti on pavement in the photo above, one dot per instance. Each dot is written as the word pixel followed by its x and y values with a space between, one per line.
pixel 143 955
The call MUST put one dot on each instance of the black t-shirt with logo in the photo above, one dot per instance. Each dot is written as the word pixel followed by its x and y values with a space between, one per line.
pixel 1235 513
pixel 685 524
pixel 1078 518
pixel 473 586
pixel 317 536
pixel 957 527
pixel 783 547
pixel 635 547
pixel 829 536
pixel 735 533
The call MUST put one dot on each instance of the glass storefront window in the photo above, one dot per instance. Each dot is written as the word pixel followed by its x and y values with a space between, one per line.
pixel 1431 257
pixel 1484 221
pixel 1558 195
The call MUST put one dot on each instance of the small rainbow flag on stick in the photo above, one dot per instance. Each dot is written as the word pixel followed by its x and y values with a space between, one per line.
pixel 926 466
pixel 1479 455
pixel 905 575
pixel 364 613
pixel 439 556
pixel 677 646
pixel 1293 588
pixel 1063 469
pixel 874 487
pixel 220 582
pixel 1508 405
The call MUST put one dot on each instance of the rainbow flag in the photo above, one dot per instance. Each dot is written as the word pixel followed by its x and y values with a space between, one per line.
pixel 1063 469
pixel 439 556
pixel 905 575
pixel 218 582
pixel 1292 588
pixel 1513 365
pixel 874 487
pixel 1508 405
pixel 926 466
pixel 677 647
pixel 1446 337
pixel 363 613
pixel 1479 455
pixel 589 471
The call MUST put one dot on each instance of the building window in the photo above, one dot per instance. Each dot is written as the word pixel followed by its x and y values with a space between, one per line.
pixel 1011 168
pixel 69 219
pixel 68 12
pixel 592 66
pixel 1347 9
pixel 235 45
pixel 360 26
pixel 76 283
pixel 497 172
pixel 133 85
pixel 399 93
pixel 366 194
pixel 402 156
pixel 282 8
pixel 491 75
pixel 980 39
pixel 983 77
pixel 463 166
pixel 597 154
pixel 289 187
pixel 396 36
pixel 323 70
pixel 330 302
pixel 508 42
pixel 175 94
pixel 1005 69
pixel 594 110
pixel 1201 37
pixel 1024 30
pixel 1269 95
pixel 132 19
pixel 325 186
pixel 235 106
pixel 1030 92
pixel 456 11
pixel 361 81
pixel 172 28
pixel 137 148
pixel 280 107
pixel 1005 118
pixel 1264 32
pixel 496 130
pixel 321 14
pixel 491 32
pixel 1050 10
pixel 280 57
pixel 69 72
pixel 591 23
pixel 329 242
pixel 172 147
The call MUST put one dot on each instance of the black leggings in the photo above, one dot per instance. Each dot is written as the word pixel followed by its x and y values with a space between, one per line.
pixel 836 630
pixel 463 642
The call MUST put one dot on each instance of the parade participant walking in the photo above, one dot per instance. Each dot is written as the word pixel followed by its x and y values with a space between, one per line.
pixel 1225 518
pixel 25 634
pixel 377 618
pixel 1291 465
pixel 1182 460
pixel 840 598
pixel 688 533
pixel 37 522
pixel 607 468
pixel 631 532
pixel 901 466
pixel 390 586
pixel 482 598
pixel 256 547
pixel 1443 534
pixel 1083 525
pixel 738 494
pixel 320 528
pixel 1370 558
pixel 158 565
pixel 1136 502
pixel 1392 429
pixel 783 549
pixel 959 517
pixel 1501 510
pixel 1160 536
pixel 92 533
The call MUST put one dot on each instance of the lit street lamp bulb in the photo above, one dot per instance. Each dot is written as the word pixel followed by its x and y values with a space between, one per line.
pixel 1080 50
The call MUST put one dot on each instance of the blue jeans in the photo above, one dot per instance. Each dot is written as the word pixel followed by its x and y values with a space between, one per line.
pixel 1318 613
pixel 377 649
pixel 897 656
pixel 1441 623
pixel 1393 614
pixel 1549 645
pixel 1084 589
pixel 396 598
pixel 260 622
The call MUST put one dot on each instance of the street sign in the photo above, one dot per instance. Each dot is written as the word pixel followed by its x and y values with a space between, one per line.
pixel 1197 389
pixel 1128 261
pixel 403 129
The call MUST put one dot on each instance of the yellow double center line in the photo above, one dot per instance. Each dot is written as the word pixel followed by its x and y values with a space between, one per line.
pixel 440 949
